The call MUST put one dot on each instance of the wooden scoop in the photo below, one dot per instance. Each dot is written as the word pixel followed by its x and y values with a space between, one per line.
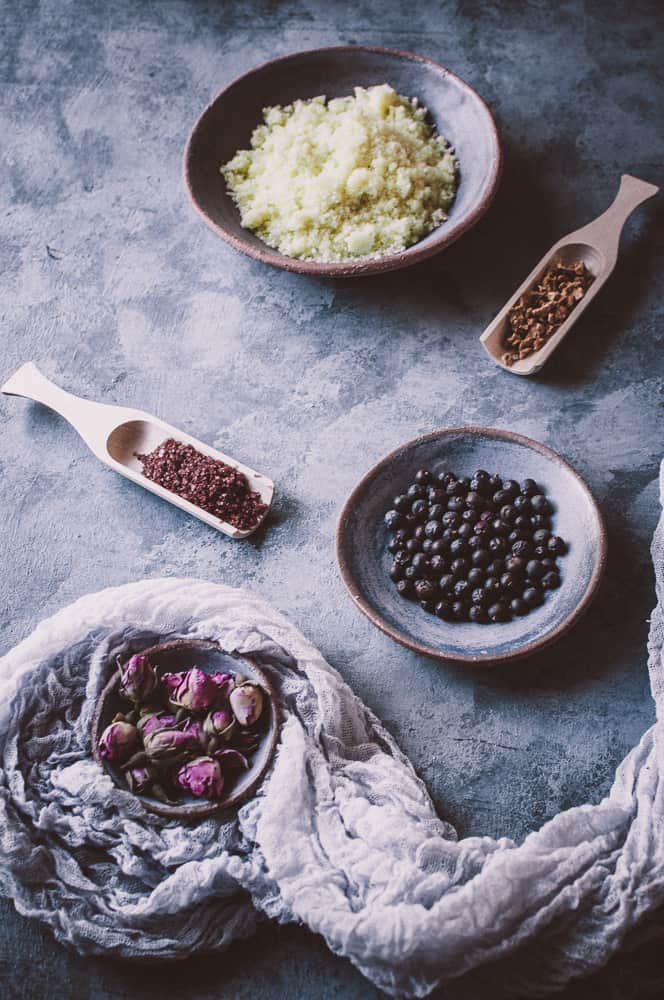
pixel 115 434
pixel 597 246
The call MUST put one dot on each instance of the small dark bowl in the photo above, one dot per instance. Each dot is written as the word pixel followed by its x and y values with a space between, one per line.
pixel 226 126
pixel 364 560
pixel 180 654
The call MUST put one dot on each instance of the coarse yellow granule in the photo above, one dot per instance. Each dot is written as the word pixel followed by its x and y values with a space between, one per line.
pixel 349 177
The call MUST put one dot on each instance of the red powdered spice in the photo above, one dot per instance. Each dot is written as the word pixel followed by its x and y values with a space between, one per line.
pixel 207 482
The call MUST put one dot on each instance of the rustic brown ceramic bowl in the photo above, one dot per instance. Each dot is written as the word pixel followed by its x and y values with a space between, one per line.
pixel 180 654
pixel 364 560
pixel 226 126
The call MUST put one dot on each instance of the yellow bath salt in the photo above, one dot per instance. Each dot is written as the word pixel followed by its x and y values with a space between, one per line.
pixel 350 177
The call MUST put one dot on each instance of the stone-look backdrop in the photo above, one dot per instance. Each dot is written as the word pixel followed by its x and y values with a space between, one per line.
pixel 113 286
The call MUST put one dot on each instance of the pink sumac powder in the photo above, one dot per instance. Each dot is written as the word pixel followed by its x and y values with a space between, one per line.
pixel 206 482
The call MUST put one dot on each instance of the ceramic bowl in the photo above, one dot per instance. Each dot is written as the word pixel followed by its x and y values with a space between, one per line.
pixel 181 654
pixel 226 126
pixel 364 560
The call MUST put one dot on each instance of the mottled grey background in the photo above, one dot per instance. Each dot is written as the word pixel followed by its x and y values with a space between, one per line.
pixel 112 285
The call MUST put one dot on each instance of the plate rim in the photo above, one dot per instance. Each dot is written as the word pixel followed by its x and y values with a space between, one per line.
pixel 365 265
pixel 191 811
pixel 521 652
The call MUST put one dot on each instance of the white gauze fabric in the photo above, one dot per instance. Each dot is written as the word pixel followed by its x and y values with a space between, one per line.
pixel 342 835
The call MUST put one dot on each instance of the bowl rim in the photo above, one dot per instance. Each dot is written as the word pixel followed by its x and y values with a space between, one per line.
pixel 192 811
pixel 362 265
pixel 476 659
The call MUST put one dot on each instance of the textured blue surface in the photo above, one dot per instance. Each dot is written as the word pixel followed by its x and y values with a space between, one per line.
pixel 115 288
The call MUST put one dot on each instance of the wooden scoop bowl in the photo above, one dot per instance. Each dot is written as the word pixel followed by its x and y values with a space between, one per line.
pixel 115 434
pixel 597 246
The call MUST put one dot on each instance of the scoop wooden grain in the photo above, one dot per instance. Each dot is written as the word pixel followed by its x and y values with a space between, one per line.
pixel 596 245
pixel 116 434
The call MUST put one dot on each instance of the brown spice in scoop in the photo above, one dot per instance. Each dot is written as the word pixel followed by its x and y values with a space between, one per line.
pixel 206 482
pixel 540 311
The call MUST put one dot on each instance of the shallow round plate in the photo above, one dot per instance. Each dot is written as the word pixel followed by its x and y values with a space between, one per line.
pixel 226 126
pixel 181 654
pixel 364 560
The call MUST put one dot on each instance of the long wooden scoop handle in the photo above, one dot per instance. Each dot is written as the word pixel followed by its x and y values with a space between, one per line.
pixel 93 421
pixel 604 232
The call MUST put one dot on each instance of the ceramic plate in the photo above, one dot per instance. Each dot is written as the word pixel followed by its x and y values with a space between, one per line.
pixel 226 126
pixel 364 560
pixel 181 654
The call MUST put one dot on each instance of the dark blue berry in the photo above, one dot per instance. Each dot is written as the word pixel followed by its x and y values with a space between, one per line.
pixel 540 504
pixel 396 571
pixel 460 567
pixel 425 590
pixel 556 546
pixel 419 509
pixel 499 612
pixel 532 597
pixel 433 529
pixel 444 610
pixel 498 546
pixel 394 520
pixel 481 558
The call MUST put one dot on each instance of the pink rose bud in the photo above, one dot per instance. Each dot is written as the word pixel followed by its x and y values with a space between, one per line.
pixel 218 721
pixel 202 777
pixel 169 744
pixel 117 741
pixel 153 721
pixel 247 703
pixel 137 678
pixel 192 689
pixel 194 728
pixel 223 681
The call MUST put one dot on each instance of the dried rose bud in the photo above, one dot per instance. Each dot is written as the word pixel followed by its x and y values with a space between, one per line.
pixel 217 722
pixel 117 741
pixel 247 703
pixel 169 744
pixel 231 760
pixel 191 689
pixel 223 681
pixel 194 728
pixel 139 779
pixel 153 721
pixel 137 678
pixel 202 777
